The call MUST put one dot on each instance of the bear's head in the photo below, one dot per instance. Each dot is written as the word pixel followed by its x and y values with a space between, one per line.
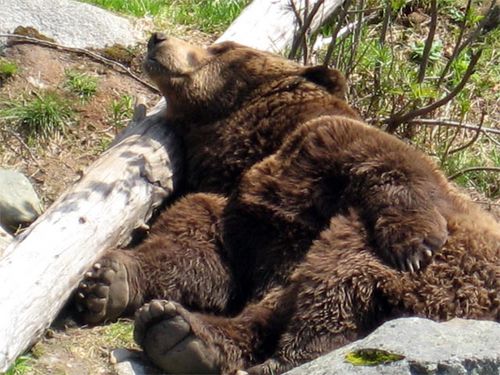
pixel 211 82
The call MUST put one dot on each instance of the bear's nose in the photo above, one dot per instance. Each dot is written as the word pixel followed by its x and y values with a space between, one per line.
pixel 156 38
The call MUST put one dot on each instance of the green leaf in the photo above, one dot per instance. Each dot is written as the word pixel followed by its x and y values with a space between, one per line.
pixel 372 357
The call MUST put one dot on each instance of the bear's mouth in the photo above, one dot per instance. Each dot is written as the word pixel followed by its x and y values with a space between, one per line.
pixel 153 68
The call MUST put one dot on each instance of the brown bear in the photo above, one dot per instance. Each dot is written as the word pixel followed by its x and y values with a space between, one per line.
pixel 288 251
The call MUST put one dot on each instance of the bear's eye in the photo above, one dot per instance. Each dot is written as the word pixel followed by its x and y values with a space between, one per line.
pixel 193 59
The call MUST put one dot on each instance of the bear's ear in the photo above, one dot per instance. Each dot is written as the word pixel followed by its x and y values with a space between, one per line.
pixel 331 79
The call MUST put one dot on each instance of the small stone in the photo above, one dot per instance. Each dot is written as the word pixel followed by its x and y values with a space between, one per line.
pixel 19 203
pixel 128 362
pixel 120 355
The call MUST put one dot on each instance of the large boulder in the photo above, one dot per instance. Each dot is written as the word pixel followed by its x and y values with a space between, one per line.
pixel 19 203
pixel 455 347
pixel 70 23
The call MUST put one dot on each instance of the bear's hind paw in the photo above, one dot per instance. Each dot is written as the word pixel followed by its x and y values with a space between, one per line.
pixel 163 329
pixel 104 293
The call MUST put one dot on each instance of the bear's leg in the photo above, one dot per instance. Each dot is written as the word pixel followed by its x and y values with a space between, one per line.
pixel 338 296
pixel 335 296
pixel 180 260
pixel 181 342
pixel 332 163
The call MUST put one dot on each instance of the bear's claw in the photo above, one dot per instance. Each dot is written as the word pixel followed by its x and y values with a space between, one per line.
pixel 410 243
pixel 164 331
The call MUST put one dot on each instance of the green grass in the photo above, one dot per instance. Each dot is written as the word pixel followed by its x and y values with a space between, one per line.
pixel 210 16
pixel 482 153
pixel 7 68
pixel 21 366
pixel 138 8
pixel 383 82
pixel 40 116
pixel 121 110
pixel 206 15
pixel 81 84
pixel 119 334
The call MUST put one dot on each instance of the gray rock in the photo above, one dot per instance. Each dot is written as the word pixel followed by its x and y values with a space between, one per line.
pixel 452 348
pixel 19 203
pixel 128 362
pixel 69 22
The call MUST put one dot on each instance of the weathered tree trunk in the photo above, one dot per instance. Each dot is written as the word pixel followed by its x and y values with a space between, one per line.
pixel 40 268
pixel 5 240
pixel 270 25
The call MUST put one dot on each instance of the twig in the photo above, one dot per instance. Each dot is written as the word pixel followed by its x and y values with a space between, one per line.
pixel 378 66
pixel 395 121
pixel 488 23
pixel 20 140
pixel 439 122
pixel 300 38
pixel 356 35
pixel 335 32
pixel 472 169
pixel 454 54
pixel 449 144
pixel 428 42
pixel 82 51
pixel 474 139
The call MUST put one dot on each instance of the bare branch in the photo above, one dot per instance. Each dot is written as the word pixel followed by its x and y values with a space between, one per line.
pixel 23 144
pixel 473 169
pixel 82 51
pixel 300 38
pixel 449 123
pixel 428 42
pixel 378 67
pixel 474 139
pixel 454 54
pixel 394 122
pixel 488 23
pixel 336 31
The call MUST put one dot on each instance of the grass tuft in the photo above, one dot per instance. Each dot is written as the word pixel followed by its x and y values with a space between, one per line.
pixel 138 8
pixel 21 366
pixel 119 334
pixel 7 68
pixel 39 117
pixel 81 84
pixel 121 111
pixel 210 16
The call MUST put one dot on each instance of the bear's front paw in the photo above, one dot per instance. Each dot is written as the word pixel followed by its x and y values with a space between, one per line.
pixel 104 293
pixel 164 330
pixel 409 241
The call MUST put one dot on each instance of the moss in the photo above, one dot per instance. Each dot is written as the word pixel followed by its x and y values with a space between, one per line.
pixel 7 69
pixel 37 350
pixel 120 53
pixel 32 32
pixel 371 357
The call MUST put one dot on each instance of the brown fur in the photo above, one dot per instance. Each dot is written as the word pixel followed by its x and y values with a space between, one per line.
pixel 297 260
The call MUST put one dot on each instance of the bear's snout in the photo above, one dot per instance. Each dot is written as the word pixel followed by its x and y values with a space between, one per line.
pixel 156 39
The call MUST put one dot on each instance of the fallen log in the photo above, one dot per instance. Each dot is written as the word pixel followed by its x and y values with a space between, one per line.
pixel 116 195
pixel 5 240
